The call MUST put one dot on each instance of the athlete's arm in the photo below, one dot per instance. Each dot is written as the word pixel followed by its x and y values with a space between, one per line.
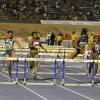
pixel 43 47
pixel 20 47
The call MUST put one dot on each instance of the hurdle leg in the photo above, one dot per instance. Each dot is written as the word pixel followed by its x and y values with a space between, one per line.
pixel 16 72
pixel 25 68
pixel 55 65
pixel 3 70
pixel 13 63
pixel 93 65
pixel 87 66
pixel 58 63
pixel 63 72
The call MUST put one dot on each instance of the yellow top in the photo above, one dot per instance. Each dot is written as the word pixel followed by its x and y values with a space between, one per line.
pixel 74 37
pixel 59 38
pixel 92 38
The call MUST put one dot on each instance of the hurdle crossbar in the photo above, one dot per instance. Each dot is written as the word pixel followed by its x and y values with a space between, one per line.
pixel 47 60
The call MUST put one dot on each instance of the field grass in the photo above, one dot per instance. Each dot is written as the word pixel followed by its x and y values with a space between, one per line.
pixel 24 30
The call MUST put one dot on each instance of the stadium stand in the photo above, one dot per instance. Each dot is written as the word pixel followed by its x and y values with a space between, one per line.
pixel 50 9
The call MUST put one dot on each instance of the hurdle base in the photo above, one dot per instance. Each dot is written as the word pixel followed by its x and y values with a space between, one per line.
pixel 40 84
pixel 92 82
pixel 81 84
pixel 54 81
pixel 16 82
pixel 63 82
pixel 7 83
pixel 24 81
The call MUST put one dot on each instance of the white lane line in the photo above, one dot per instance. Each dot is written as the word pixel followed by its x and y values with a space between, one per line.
pixel 58 86
pixel 33 92
pixel 89 98
pixel 70 89
pixel 98 85
pixel 27 88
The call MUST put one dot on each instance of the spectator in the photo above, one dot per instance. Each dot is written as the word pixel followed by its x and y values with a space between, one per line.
pixel 52 38
pixel 48 38
pixel 74 37
pixel 59 38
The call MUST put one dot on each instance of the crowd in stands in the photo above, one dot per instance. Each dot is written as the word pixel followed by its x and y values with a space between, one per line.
pixel 51 9
pixel 54 38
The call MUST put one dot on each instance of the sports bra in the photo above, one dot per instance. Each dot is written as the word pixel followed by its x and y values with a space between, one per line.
pixel 35 43
pixel 9 42
pixel 81 43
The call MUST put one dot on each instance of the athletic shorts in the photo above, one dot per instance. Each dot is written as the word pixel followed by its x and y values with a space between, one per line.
pixel 79 51
pixel 8 53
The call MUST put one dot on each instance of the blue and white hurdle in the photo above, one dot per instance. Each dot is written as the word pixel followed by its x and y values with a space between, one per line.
pixel 26 60
pixel 55 61
pixel 80 61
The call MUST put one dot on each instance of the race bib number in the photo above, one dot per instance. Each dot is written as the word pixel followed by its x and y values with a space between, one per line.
pixel 36 44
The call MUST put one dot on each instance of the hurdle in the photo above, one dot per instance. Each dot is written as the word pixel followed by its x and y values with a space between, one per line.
pixel 44 59
pixel 25 66
pixel 82 61
pixel 39 59
pixel 55 66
